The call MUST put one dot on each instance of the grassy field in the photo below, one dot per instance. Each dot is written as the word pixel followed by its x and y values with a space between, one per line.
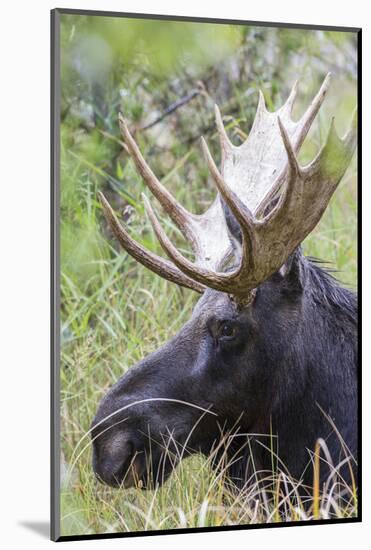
pixel 114 312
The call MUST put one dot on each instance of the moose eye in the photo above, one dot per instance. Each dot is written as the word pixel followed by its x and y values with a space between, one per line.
pixel 228 330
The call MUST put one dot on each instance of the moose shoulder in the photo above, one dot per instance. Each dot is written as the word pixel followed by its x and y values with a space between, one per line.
pixel 270 352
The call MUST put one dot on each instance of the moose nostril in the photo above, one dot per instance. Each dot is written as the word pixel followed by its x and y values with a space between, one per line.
pixel 117 464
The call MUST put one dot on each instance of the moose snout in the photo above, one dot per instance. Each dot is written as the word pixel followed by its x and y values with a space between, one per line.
pixel 116 462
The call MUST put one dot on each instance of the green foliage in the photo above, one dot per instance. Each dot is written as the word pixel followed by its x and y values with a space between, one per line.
pixel 114 312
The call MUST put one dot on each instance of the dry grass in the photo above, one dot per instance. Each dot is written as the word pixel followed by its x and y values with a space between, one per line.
pixel 198 495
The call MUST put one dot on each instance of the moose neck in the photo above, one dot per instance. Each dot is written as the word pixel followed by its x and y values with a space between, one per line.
pixel 315 380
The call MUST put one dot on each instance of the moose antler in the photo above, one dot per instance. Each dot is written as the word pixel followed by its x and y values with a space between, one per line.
pixel 251 175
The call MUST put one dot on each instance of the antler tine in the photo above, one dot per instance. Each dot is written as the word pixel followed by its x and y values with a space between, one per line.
pixel 153 262
pixel 261 108
pixel 291 99
pixel 293 163
pixel 350 137
pixel 315 105
pixel 225 143
pixel 334 157
pixel 292 190
pixel 180 216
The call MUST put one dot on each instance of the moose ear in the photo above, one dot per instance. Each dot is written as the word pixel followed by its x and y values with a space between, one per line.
pixel 292 274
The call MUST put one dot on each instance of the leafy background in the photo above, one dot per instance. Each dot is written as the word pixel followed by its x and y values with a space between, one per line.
pixel 165 77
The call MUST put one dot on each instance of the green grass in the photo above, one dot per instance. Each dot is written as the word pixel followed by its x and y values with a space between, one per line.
pixel 114 312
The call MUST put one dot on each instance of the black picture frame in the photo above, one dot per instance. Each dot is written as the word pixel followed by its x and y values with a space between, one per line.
pixel 55 268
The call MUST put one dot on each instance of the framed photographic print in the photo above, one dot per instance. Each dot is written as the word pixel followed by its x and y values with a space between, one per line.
pixel 204 235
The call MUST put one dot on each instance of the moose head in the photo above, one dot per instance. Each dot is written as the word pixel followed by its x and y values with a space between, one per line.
pixel 273 335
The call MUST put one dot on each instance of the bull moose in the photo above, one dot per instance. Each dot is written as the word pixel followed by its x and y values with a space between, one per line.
pixel 271 346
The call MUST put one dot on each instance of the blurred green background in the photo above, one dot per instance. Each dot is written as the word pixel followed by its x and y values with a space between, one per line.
pixel 165 77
